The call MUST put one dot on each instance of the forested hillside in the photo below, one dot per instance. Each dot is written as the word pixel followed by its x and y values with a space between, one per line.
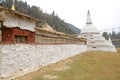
pixel 52 19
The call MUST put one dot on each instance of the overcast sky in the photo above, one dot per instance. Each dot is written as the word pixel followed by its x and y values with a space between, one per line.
pixel 105 14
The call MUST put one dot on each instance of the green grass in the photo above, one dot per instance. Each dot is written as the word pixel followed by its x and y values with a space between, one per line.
pixel 89 66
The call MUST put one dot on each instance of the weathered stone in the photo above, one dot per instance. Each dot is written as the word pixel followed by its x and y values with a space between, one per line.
pixel 25 58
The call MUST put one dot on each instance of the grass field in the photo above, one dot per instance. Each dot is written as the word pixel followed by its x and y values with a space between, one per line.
pixel 88 66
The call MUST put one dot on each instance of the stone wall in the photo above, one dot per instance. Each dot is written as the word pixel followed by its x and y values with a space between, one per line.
pixel 16 58
pixel 102 48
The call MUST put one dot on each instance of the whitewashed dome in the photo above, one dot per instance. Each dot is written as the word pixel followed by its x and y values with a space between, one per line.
pixel 89 27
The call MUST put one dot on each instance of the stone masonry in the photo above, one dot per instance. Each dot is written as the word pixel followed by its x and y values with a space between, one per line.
pixel 15 58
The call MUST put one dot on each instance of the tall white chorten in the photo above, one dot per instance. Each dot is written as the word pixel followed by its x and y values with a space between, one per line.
pixel 94 40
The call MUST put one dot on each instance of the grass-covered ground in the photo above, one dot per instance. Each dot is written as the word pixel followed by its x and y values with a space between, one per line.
pixel 88 66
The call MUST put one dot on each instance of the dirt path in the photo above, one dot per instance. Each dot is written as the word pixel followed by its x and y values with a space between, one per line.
pixel 62 68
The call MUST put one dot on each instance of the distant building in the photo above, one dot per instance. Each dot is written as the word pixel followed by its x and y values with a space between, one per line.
pixel 16 27
pixel 94 40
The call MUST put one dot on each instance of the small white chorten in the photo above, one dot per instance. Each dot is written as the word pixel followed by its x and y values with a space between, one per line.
pixel 94 40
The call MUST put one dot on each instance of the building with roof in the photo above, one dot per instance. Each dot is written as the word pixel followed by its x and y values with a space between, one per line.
pixel 16 27
pixel 94 40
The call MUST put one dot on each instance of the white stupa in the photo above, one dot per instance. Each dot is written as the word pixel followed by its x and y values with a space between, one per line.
pixel 94 40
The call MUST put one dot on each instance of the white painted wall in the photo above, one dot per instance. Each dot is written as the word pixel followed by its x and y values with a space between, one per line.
pixel 98 41
pixel 103 48
pixel 15 58
pixel 14 21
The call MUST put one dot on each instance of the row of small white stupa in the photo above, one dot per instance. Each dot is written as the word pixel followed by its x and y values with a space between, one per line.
pixel 94 40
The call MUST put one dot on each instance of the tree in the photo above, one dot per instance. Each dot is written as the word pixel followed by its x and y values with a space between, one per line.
pixel 113 34
pixel 105 34
pixel 53 13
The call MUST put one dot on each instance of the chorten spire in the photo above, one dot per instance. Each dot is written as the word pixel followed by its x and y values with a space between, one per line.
pixel 88 21
pixel 13 6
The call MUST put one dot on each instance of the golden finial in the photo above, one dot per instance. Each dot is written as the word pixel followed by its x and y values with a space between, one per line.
pixel 13 6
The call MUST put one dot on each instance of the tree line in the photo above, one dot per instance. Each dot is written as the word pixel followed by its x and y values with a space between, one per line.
pixel 52 19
